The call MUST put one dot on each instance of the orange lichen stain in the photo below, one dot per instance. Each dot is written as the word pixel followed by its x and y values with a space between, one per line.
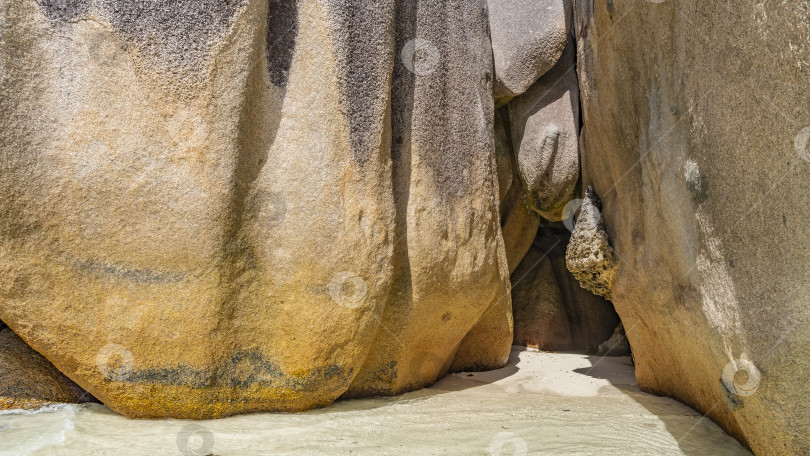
pixel 301 373
pixel 185 402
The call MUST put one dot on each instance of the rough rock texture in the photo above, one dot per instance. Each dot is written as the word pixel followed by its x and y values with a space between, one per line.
pixel 233 206
pixel 519 226
pixel 28 380
pixel 551 310
pixel 539 312
pixel 519 222
pixel 545 135
pixel 503 154
pixel 696 142
pixel 528 37
pixel 589 255
pixel 617 345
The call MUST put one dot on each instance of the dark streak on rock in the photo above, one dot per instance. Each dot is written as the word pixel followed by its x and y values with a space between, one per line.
pixel 244 369
pixel 446 106
pixel 282 30
pixel 386 374
pixel 64 10
pixel 363 37
pixel 144 276
pixel 180 33
pixel 733 401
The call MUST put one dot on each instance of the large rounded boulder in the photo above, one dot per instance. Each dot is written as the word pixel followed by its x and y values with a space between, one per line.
pixel 222 207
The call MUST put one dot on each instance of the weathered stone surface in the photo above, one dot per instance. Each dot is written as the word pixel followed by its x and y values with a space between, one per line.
pixel 503 153
pixel 617 345
pixel 545 135
pixel 519 225
pixel 28 380
pixel 694 113
pixel 276 210
pixel 528 36
pixel 589 255
pixel 539 312
pixel 551 310
pixel 519 222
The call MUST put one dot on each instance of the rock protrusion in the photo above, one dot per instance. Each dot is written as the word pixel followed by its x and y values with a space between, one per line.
pixel 545 135
pixel 589 256
pixel 528 37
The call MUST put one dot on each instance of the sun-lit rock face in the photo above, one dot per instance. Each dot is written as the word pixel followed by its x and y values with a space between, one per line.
pixel 545 137
pixel 696 136
pixel 528 37
pixel 227 206
pixel 230 206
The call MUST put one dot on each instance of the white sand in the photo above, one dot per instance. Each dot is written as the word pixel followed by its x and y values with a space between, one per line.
pixel 540 404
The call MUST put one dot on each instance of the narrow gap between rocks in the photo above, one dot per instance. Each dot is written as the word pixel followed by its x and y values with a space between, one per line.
pixel 552 312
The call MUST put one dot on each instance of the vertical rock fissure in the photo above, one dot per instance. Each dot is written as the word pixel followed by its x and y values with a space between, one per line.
pixel 551 309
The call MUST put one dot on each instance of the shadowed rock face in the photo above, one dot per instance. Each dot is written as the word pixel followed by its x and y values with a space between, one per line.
pixel 227 207
pixel 282 30
pixel 693 140
pixel 552 311
pixel 28 380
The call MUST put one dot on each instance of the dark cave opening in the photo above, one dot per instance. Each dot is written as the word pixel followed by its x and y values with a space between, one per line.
pixel 551 311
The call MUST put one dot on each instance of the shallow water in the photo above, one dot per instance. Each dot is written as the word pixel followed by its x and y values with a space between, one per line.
pixel 541 403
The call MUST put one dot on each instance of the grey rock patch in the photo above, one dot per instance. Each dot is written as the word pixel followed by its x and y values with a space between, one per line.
pixel 363 36
pixel 545 135
pixel 64 10
pixel 528 36
pixel 176 33
pixel 282 29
